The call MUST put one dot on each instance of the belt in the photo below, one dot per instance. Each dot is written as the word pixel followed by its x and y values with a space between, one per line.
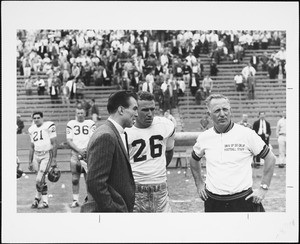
pixel 151 188
pixel 229 197
pixel 40 152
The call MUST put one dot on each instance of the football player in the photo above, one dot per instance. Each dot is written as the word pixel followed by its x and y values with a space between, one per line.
pixel 150 143
pixel 42 155
pixel 78 133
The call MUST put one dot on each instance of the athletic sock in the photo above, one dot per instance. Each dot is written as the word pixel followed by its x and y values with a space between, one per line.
pixel 38 195
pixel 75 197
pixel 45 198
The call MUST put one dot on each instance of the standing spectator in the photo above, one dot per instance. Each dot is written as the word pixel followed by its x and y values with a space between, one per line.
pixel 20 124
pixel 157 48
pixel 95 110
pixel 186 71
pixel 109 179
pixel 244 121
pixel 213 68
pixel 247 71
pixel 281 56
pixel 251 86
pixel 28 85
pixel 135 80
pixel 194 84
pixel 207 85
pixel 263 129
pixel 53 91
pixel 254 61
pixel 264 39
pixel 65 93
pixel 40 83
pixel 281 135
pixel 228 184
pixel 166 91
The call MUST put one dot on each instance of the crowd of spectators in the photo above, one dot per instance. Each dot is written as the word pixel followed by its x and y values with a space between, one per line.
pixel 162 62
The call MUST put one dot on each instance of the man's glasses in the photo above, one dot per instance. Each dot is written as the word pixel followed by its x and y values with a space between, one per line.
pixel 36 117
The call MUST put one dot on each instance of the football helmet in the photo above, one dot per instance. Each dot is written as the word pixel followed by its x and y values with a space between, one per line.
pixel 19 173
pixel 54 174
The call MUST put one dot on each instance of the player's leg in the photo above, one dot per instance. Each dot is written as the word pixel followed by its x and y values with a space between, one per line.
pixel 41 184
pixel 75 179
pixel 281 147
pixel 142 203
pixel 38 195
pixel 162 201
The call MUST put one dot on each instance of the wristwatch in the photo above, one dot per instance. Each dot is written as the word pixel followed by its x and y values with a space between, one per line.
pixel 264 186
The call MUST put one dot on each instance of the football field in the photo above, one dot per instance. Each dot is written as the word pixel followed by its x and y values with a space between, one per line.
pixel 182 191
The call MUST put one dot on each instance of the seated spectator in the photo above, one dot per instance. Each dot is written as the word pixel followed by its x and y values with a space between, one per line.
pixel 79 88
pixel 20 124
pixel 86 106
pixel 239 83
pixel 40 83
pixel 207 85
pixel 244 121
pixel 170 117
pixel 28 85
pixel 95 110
pixel 272 69
pixel 213 68
pixel 27 66
pixel 281 56
pixel 238 53
pixel 181 86
pixel 205 123
pixel 200 96
pixel 264 61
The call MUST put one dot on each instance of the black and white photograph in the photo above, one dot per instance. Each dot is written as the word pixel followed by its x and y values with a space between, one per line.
pixel 133 118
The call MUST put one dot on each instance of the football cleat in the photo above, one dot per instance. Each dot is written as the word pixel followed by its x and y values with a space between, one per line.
pixel 19 173
pixel 35 203
pixel 74 204
pixel 43 205
pixel 54 174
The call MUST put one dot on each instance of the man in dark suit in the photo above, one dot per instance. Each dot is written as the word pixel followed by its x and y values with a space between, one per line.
pixel 110 182
pixel 263 129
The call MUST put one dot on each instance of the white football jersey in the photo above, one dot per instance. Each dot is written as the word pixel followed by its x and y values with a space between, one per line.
pixel 40 136
pixel 80 132
pixel 147 149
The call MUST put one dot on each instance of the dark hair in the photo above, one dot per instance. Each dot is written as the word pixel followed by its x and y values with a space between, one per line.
pixel 120 98
pixel 144 95
pixel 39 113
pixel 93 99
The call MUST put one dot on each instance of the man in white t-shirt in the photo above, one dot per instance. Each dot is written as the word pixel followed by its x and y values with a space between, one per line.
pixel 150 144
pixel 42 155
pixel 79 132
pixel 229 149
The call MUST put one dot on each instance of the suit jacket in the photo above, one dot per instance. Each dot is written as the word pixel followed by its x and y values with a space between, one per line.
pixel 109 178
pixel 256 126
